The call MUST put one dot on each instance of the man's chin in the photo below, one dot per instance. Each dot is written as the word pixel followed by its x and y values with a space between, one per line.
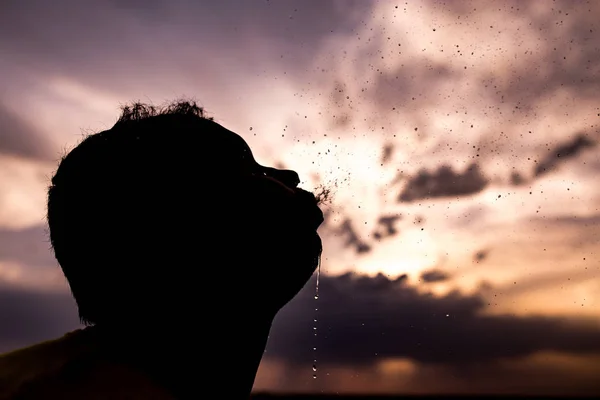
pixel 315 247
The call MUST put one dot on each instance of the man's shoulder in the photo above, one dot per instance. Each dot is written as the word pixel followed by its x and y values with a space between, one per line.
pixel 22 368
pixel 70 367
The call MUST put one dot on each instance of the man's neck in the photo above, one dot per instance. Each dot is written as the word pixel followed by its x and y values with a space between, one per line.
pixel 218 358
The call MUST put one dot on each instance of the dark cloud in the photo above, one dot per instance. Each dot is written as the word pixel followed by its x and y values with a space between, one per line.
pixel 444 183
pixel 386 226
pixel 352 239
pixel 28 317
pixel 388 149
pixel 27 246
pixel 481 255
pixel 19 138
pixel 109 42
pixel 516 179
pixel 361 320
pixel 563 152
pixel 434 275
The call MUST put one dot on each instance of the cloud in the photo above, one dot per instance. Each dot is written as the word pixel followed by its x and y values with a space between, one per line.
pixel 563 152
pixel 352 239
pixel 481 255
pixel 362 320
pixel 387 226
pixel 18 138
pixel 387 153
pixel 434 275
pixel 132 37
pixel 444 183
pixel 516 178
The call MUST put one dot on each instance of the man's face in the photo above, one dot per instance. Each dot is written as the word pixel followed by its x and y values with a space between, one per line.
pixel 271 186
pixel 275 221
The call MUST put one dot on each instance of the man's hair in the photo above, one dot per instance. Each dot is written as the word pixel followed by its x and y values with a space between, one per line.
pixel 117 197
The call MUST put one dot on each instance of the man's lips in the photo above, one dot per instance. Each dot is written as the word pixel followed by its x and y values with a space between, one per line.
pixel 306 203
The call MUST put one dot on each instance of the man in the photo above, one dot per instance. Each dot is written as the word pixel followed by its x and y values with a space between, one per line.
pixel 179 249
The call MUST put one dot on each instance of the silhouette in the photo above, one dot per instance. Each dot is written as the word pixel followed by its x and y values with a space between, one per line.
pixel 179 249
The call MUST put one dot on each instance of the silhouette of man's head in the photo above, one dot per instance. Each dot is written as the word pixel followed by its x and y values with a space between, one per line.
pixel 167 216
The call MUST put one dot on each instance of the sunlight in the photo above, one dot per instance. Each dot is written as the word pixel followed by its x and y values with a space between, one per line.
pixel 411 254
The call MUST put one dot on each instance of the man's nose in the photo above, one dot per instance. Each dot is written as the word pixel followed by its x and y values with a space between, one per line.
pixel 286 176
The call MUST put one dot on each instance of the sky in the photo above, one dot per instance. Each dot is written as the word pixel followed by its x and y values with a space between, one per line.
pixel 459 141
